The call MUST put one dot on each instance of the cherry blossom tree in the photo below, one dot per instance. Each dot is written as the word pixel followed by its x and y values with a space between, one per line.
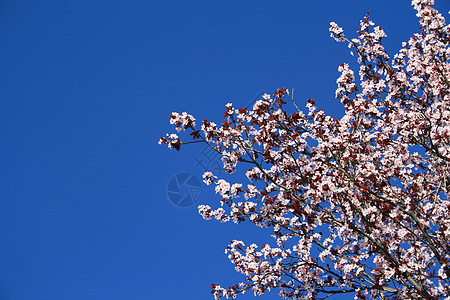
pixel 358 205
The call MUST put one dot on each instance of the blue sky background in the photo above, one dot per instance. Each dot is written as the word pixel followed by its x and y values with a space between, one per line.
pixel 86 88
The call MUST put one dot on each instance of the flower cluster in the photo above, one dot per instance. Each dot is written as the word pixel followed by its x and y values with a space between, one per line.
pixel 357 205
pixel 337 32
pixel 182 121
pixel 172 141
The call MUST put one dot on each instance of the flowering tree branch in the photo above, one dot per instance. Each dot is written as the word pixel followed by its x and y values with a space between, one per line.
pixel 358 205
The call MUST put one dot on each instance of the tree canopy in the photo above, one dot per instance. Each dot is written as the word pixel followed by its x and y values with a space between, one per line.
pixel 359 204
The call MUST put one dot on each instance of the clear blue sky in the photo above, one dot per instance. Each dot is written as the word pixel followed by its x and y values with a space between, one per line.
pixel 86 90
